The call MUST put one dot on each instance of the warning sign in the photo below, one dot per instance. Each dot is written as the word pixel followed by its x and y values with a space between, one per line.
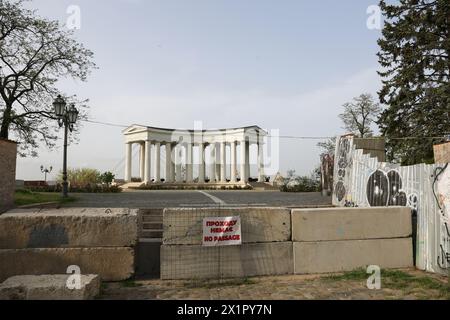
pixel 222 231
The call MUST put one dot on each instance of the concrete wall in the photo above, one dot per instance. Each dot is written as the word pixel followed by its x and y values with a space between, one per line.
pixel 8 154
pixel 68 228
pixel 99 241
pixel 347 255
pixel 316 241
pixel 327 224
pixel 111 264
pixel 375 147
pixel 253 259
pixel 184 226
pixel 442 153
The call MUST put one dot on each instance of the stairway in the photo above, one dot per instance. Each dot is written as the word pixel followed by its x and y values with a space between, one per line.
pixel 151 225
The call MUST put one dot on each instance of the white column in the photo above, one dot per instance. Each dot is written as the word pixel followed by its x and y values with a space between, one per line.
pixel 172 164
pixel 223 163
pixel 168 162
pixel 148 157
pixel 178 151
pixel 243 174
pixel 189 166
pixel 247 159
pixel 128 149
pixel 201 167
pixel 157 162
pixel 261 161
pixel 142 161
pixel 217 166
pixel 212 166
pixel 233 162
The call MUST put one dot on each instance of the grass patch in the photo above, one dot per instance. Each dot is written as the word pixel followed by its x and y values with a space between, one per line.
pixel 26 197
pixel 211 284
pixel 398 280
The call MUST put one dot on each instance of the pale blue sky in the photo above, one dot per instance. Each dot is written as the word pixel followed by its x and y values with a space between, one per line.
pixel 286 65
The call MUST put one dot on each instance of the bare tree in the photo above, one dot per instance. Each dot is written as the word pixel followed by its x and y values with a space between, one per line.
pixel 34 54
pixel 359 115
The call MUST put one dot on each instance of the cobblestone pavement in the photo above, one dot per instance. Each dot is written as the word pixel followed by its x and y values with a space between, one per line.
pixel 298 287
pixel 173 198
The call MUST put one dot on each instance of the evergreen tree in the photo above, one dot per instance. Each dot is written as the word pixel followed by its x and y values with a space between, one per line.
pixel 414 55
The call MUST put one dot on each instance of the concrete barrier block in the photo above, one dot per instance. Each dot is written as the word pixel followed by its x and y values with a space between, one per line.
pixel 68 228
pixel 184 225
pixel 111 264
pixel 49 287
pixel 351 223
pixel 337 256
pixel 198 262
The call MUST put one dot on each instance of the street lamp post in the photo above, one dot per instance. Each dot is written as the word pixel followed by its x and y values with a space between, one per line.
pixel 67 118
pixel 45 171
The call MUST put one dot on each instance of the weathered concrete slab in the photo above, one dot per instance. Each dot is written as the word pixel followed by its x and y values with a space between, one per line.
pixel 351 223
pixel 336 256
pixel 198 262
pixel 71 227
pixel 111 264
pixel 49 287
pixel 184 225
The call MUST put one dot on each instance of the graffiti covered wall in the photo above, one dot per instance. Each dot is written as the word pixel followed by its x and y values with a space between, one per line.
pixel 360 180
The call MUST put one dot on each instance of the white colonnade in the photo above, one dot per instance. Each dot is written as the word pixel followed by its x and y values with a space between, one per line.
pixel 180 145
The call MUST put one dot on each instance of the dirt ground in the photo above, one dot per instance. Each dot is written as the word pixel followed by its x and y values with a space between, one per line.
pixel 395 284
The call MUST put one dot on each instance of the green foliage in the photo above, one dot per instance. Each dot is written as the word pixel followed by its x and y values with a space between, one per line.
pixel 107 177
pixel 415 59
pixel 35 53
pixel 81 177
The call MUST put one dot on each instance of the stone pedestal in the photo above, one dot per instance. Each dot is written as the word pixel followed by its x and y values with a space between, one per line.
pixel 8 154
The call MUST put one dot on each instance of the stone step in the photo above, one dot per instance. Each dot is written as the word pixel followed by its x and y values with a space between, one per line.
pixel 151 234
pixel 151 212
pixel 49 287
pixel 158 219
pixel 152 225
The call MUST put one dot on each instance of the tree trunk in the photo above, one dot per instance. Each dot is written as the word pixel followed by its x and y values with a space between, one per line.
pixel 4 130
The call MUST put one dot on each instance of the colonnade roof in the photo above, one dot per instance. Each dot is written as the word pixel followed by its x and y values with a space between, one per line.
pixel 139 133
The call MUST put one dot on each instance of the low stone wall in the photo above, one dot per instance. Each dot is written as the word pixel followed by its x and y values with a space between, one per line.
pixel 184 226
pixel 8 152
pixel 99 241
pixel 343 239
pixel 68 228
pixel 283 241
pixel 252 259
pixel 266 248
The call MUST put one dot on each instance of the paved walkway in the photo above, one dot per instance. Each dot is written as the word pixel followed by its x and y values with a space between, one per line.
pixel 172 198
